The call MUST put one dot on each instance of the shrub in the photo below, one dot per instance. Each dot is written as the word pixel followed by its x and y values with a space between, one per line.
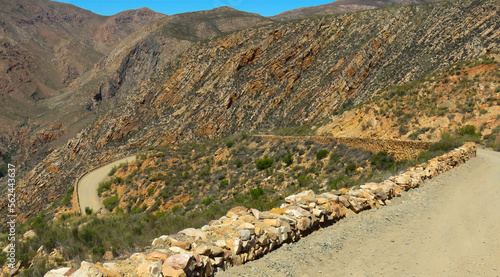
pixel 176 208
pixel 446 143
pixel 223 184
pixel 264 163
pixel 97 253
pixel 321 154
pixel 238 163
pixel 245 135
pixel 256 192
pixel 110 203
pixel 334 157
pixel 88 211
pixel 350 168
pixel 207 201
pixel 467 130
pixel 304 179
pixel 341 181
pixel 230 144
pixel 288 159
pixel 103 187
pixel 113 170
pixel 382 161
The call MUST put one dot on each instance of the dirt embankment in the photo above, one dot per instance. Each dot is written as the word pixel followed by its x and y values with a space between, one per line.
pixel 447 227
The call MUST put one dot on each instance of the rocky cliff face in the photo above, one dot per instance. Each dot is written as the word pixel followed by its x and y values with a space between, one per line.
pixel 272 75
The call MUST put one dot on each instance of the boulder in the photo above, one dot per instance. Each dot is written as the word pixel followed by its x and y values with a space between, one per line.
pixel 150 269
pixel 196 233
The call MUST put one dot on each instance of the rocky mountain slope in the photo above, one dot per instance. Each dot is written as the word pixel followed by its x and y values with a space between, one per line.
pixel 119 73
pixel 466 93
pixel 282 74
pixel 343 6
pixel 46 45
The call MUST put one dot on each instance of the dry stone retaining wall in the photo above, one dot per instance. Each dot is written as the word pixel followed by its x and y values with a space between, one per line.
pixel 400 149
pixel 247 234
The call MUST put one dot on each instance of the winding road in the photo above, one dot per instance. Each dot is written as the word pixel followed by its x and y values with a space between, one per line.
pixel 88 184
pixel 450 226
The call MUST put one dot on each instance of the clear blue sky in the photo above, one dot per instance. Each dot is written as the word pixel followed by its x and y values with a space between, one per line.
pixel 262 7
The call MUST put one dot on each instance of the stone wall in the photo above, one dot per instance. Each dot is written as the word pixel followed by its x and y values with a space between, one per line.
pixel 247 234
pixel 400 149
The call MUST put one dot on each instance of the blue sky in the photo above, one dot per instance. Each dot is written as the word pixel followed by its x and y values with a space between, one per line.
pixel 265 8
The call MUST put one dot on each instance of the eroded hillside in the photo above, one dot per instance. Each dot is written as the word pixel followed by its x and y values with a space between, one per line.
pixel 466 93
pixel 264 77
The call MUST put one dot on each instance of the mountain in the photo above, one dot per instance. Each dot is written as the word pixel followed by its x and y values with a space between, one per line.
pixel 267 77
pixel 343 6
pixel 46 45
pixel 118 74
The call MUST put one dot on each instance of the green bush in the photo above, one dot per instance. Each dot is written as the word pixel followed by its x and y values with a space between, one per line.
pixel 103 187
pixel 110 203
pixel 256 192
pixel 305 180
pixel 321 154
pixel 288 159
pixel 238 163
pixel 97 253
pixel 264 163
pixel 382 161
pixel 350 168
pixel 230 144
pixel 113 170
pixel 334 157
pixel 88 211
pixel 446 143
pixel 467 130
pixel 207 201
pixel 341 181
pixel 223 184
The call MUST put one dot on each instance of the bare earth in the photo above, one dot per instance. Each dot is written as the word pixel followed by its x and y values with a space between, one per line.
pixel 450 226
pixel 88 184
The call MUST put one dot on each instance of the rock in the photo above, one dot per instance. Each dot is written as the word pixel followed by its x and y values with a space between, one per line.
pixel 181 244
pixel 272 222
pixel 197 234
pixel 185 262
pixel 150 269
pixel 171 271
pixel 156 256
pixel 206 228
pixel 60 272
pixel 138 257
pixel 238 210
pixel 160 241
pixel 244 234
pixel 88 269
pixel 303 224
pixel 255 213
pixel 29 235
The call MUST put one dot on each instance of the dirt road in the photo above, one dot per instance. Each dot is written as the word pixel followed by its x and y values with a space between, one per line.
pixel 450 226
pixel 88 184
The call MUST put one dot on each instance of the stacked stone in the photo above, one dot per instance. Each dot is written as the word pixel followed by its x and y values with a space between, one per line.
pixel 246 234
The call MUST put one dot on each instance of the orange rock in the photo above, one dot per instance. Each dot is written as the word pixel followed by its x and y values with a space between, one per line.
pixel 156 256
